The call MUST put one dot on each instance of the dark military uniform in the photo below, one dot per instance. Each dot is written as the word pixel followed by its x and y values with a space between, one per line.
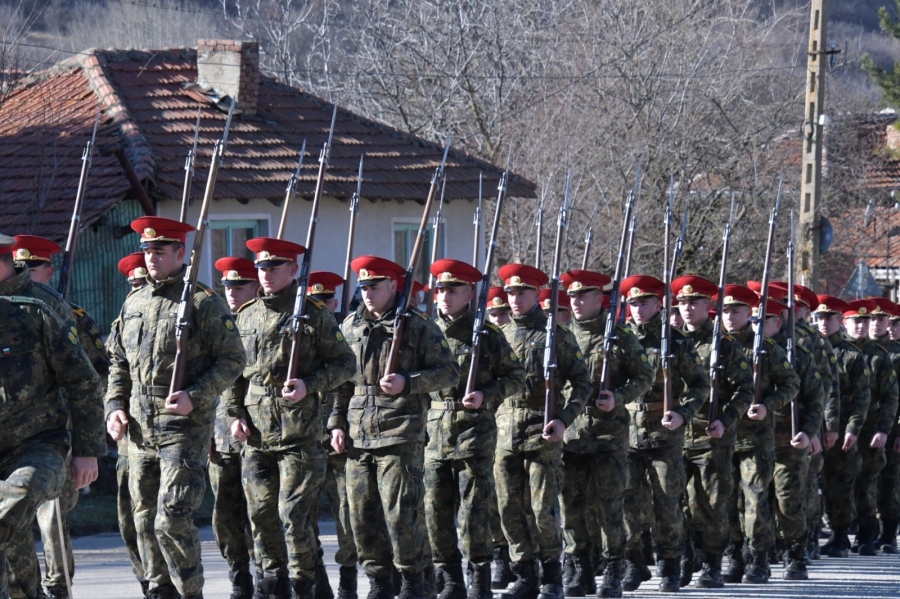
pixel 889 481
pixel 168 452
pixel 335 488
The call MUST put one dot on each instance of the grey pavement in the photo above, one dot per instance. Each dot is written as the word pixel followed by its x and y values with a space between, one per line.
pixel 104 572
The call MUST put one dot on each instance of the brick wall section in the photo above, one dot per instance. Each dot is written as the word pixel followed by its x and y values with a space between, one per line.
pixel 231 67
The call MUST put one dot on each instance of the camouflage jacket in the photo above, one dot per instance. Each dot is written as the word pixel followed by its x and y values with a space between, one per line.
pixel 453 431
pixel 376 419
pixel 778 387
pixel 883 397
pixel 810 398
pixel 143 354
pixel 892 347
pixel 41 356
pixel 823 355
pixel 855 384
pixel 630 376
pixel 325 362
pixel 520 419
pixel 690 388
pixel 734 390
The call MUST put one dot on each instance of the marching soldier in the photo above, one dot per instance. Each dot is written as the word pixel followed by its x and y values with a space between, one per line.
pixel 842 458
pixel 43 357
pixel 528 452
pixel 656 437
pixel 230 520
pixel 595 463
pixel 889 485
pixel 279 419
pixel 708 446
pixel 168 433
pixel 563 314
pixel 462 436
pixel 880 419
pixel 752 529
pixel 385 413
pixel 134 268
pixel 498 306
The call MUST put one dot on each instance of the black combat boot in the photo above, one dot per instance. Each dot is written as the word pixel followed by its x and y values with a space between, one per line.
pixel 145 588
pixel 887 542
pixel 381 587
pixel 598 558
pixel 303 588
pixel 670 582
pixel 454 584
pixel 346 583
pixel 165 591
pixel 323 586
pixel 551 579
pixel 813 549
pixel 867 537
pixel 636 571
pixel 795 564
pixel 241 585
pixel 568 569
pixel 711 572
pixel 470 574
pixel 688 562
pixel 4 585
pixel 481 582
pixel 757 569
pixel 839 543
pixel 429 582
pixel 503 574
pixel 525 585
pixel 647 548
pixel 57 592
pixel 582 582
pixel 611 584
pixel 412 585
pixel 735 570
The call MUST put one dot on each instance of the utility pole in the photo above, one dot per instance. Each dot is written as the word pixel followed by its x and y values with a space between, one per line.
pixel 813 128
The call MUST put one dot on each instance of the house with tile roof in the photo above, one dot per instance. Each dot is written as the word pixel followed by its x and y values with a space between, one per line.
pixel 148 102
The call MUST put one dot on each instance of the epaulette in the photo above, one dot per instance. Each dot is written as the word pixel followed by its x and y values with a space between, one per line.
pixel 315 302
pixel 209 292
pixel 78 310
pixel 727 336
pixel 246 305
pixel 52 291
pixel 803 349
pixel 133 291
pixel 493 327
pixel 624 329
pixel 769 340
pixel 22 299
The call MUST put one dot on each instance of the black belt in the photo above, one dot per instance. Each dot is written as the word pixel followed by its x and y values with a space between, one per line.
pixel 153 390
pixel 265 390
pixel 368 390
pixel 523 404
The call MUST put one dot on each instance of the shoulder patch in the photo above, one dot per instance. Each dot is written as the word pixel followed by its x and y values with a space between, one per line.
pixel 833 359
pixel 338 335
pixel 229 322
pixel 787 365
pixel 644 357
pixel 73 336
pixel 866 371
pixel 579 356
pixel 699 360
pixel 513 356
pixel 443 341
pixel 98 344
pixel 744 365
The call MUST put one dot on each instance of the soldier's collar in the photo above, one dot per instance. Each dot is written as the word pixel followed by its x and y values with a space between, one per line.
pixel 15 284
pixel 534 316
pixel 177 277
pixel 281 299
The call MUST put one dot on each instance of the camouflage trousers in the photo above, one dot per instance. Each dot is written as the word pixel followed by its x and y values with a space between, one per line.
pixel 497 537
pixel 456 492
pixel 534 474
pixel 791 475
pixel 594 480
pixel 126 513
pixel 230 522
pixel 335 489
pixel 282 490
pixel 889 486
pixel 709 486
pixel 663 477
pixel 841 469
pixel 167 483
pixel 813 492
pixel 865 488
pixel 386 493
pixel 750 513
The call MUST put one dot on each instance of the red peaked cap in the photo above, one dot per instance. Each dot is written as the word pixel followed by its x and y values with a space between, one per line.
pixel 522 275
pixel 372 269
pixel 562 301
pixel 773 308
pixel 31 248
pixel 322 282
pixel 497 299
pixel 236 271
pixel 776 292
pixel 802 294
pixel 738 295
pixel 270 251
pixel 450 273
pixel 578 281
pixel 693 286
pixel 828 304
pixel 638 286
pixel 133 266
pixel 861 308
pixel 883 306
pixel 417 286
pixel 156 230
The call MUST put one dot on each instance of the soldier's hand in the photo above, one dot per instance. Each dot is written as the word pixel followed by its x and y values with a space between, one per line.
pixel 879 440
pixel 606 402
pixel 716 429
pixel 897 445
pixel 337 439
pixel 553 432
pixel 180 403
pixel 117 424
pixel 815 445
pixel 393 384
pixel 757 411
pixel 294 390
pixel 239 430
pixel 830 439
pixel 849 441
pixel 672 420
pixel 84 471
pixel 473 400
pixel 800 441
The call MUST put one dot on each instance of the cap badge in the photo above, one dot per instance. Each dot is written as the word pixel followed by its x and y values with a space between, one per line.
pixel 363 273
pixel 546 304
pixel 263 255
pixel 576 285
pixel 862 311
pixel 497 301
pixel 729 299
pixel 140 272
pixel 23 254
pixel 446 276
pixel 515 280
pixel 822 308
pixel 232 275
pixel 688 289
pixel 149 233
pixel 318 288
pixel 634 291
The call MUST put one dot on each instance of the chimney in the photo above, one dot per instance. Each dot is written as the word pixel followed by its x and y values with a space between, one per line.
pixel 230 68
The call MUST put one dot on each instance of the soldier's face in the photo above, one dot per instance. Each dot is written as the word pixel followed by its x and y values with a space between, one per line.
pixel 238 295
pixel 332 304
pixel 453 300
pixel 828 324
pixel 522 300
pixel 164 261
pixel 379 297
pixel 675 319
pixel 275 278
pixel 587 305
pixel 858 328
pixel 801 312
pixel 894 329
pixel 41 274
pixel 501 317
pixel 878 326
pixel 735 318
pixel 643 309
pixel 694 311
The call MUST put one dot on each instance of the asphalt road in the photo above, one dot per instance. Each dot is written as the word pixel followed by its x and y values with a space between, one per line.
pixel 103 572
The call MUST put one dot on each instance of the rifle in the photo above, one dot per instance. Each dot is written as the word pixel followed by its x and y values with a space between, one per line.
pixel 636 193
pixel 477 222
pixel 791 324
pixel 481 306
pixel 609 333
pixel 72 241
pixel 550 365
pixel 189 171
pixel 354 210
pixel 291 192
pixel 759 338
pixel 403 300
pixel 436 228
pixel 717 324
pixel 539 225
pixel 668 400
pixel 298 317
pixel 588 242
pixel 186 305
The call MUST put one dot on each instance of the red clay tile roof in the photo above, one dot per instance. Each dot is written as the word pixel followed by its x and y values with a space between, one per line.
pixel 147 112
